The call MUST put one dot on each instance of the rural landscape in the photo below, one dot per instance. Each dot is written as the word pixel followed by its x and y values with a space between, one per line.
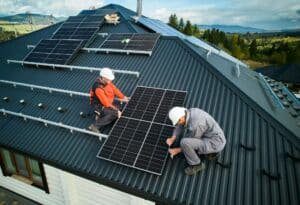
pixel 256 47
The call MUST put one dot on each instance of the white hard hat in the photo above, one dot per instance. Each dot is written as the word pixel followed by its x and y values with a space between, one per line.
pixel 107 73
pixel 176 113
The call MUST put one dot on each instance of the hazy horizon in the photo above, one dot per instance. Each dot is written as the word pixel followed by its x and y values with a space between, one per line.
pixel 261 14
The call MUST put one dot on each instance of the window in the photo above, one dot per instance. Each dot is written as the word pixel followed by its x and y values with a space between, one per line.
pixel 23 168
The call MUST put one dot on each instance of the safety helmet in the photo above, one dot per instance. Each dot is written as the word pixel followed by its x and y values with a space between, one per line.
pixel 176 113
pixel 107 73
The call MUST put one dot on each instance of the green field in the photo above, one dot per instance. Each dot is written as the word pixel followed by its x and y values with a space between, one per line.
pixel 19 28
pixel 9 31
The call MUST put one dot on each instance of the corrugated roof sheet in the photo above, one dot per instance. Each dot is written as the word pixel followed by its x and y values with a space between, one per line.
pixel 269 174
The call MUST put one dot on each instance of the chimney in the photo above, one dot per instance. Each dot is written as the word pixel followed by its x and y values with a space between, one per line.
pixel 139 8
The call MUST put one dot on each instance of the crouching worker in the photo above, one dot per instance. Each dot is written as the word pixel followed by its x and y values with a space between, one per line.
pixel 102 100
pixel 204 136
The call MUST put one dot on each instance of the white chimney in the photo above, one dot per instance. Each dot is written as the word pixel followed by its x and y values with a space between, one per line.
pixel 139 8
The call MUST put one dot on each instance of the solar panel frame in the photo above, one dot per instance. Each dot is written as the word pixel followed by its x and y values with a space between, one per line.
pixel 155 163
pixel 59 52
pixel 138 43
pixel 75 33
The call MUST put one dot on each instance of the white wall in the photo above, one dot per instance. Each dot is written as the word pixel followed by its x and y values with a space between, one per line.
pixel 69 189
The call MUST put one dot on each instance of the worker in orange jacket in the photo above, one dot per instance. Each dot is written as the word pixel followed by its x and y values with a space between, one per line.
pixel 102 99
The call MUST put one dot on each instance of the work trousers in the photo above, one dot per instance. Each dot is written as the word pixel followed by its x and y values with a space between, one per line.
pixel 107 116
pixel 192 147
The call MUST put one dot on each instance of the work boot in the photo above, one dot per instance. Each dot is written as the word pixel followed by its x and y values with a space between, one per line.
pixel 212 156
pixel 193 169
pixel 93 128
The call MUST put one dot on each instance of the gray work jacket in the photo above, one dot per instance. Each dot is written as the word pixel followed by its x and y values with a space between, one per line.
pixel 200 124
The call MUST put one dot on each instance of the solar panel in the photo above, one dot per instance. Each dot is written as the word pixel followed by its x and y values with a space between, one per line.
pixel 54 51
pixel 144 103
pixel 87 12
pixel 130 42
pixel 75 33
pixel 136 139
pixel 81 27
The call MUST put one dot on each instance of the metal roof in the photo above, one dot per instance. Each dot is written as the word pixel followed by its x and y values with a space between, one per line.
pixel 260 163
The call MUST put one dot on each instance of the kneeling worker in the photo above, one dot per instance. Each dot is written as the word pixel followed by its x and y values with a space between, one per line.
pixel 102 96
pixel 204 136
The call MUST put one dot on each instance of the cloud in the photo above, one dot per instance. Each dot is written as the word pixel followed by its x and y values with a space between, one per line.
pixel 57 8
pixel 267 14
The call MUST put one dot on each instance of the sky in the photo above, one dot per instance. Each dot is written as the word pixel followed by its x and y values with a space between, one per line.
pixel 264 14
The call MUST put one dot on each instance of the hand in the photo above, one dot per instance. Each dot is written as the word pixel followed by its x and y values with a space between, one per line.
pixel 171 140
pixel 126 99
pixel 119 113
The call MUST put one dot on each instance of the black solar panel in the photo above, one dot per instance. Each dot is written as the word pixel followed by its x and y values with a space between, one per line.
pixel 144 103
pixel 75 33
pixel 54 51
pixel 87 12
pixel 171 99
pixel 81 27
pixel 136 139
pixel 136 42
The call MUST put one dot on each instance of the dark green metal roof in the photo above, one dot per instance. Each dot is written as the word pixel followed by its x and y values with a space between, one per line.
pixel 267 175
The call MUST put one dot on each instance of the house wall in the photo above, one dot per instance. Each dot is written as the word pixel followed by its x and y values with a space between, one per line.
pixel 69 189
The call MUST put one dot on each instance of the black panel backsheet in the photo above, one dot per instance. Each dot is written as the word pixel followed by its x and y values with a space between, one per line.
pixel 138 138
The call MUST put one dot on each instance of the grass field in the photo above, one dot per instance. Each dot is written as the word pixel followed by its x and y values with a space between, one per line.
pixel 19 28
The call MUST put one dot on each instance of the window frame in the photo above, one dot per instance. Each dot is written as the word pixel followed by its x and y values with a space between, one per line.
pixel 43 185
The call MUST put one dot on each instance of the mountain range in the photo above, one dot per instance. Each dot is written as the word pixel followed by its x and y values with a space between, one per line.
pixel 233 28
pixel 36 18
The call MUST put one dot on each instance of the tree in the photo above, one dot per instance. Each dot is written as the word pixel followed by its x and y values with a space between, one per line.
pixel 253 48
pixel 188 29
pixel 196 31
pixel 173 21
pixel 181 25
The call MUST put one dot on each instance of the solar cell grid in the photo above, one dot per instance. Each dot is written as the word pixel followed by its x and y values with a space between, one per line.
pixel 138 42
pixel 53 51
pixel 143 104
pixel 137 143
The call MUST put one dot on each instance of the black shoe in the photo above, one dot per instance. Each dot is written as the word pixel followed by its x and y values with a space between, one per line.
pixel 191 170
pixel 93 128
pixel 212 156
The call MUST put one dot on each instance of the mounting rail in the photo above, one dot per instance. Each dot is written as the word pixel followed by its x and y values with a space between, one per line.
pixel 57 124
pixel 275 100
pixel 106 50
pixel 71 67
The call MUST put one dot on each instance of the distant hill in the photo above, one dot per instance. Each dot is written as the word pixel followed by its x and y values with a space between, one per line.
pixel 233 28
pixel 36 18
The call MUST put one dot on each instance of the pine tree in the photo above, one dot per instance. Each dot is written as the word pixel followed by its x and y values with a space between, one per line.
pixel 181 25
pixel 196 31
pixel 188 29
pixel 173 21
pixel 253 48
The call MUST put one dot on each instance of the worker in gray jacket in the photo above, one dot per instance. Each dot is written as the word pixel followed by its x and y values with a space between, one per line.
pixel 204 136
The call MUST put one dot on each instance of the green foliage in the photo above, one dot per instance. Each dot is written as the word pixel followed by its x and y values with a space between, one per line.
pixel 188 29
pixel 253 48
pixel 181 25
pixel 6 35
pixel 173 21
pixel 274 49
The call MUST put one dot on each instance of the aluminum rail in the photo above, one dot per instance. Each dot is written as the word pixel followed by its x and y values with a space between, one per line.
pixel 106 50
pixel 71 67
pixel 275 100
pixel 48 122
pixel 31 86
